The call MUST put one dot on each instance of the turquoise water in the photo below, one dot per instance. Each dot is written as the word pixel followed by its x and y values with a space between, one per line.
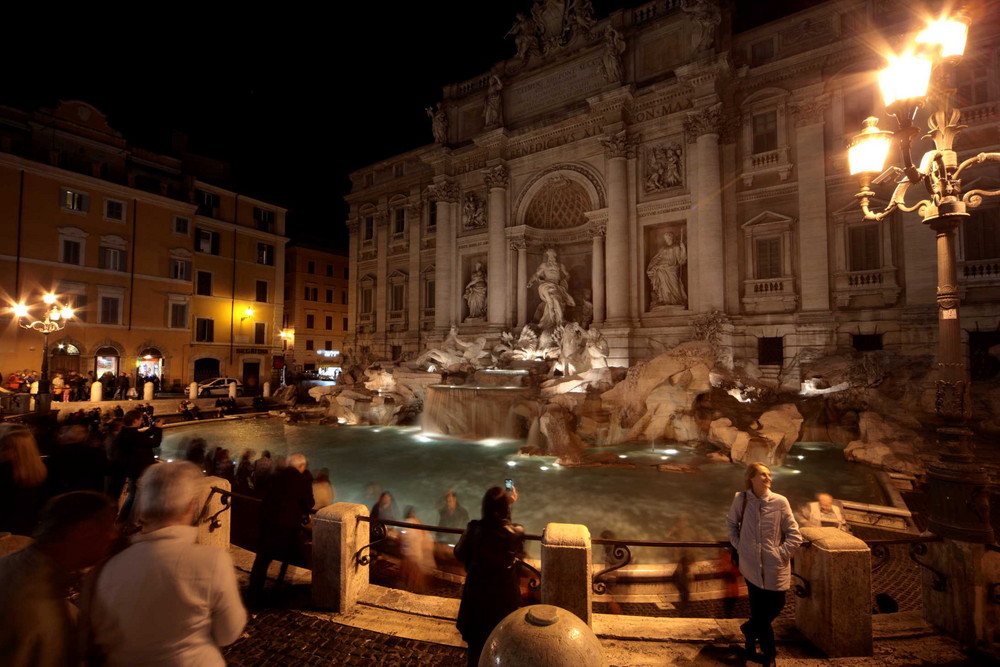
pixel 634 503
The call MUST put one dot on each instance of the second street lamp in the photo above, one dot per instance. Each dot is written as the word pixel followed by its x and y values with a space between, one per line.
pixel 958 502
pixel 54 318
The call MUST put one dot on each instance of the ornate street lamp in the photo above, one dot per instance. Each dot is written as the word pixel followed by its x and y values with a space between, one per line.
pixel 958 503
pixel 54 319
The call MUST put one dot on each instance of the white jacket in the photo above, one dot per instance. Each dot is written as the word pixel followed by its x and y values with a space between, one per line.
pixel 167 601
pixel 768 538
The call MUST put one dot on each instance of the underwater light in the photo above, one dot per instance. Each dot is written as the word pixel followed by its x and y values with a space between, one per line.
pixel 512 463
pixel 671 451
pixel 544 468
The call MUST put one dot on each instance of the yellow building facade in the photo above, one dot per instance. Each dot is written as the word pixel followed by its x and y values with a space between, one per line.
pixel 316 309
pixel 168 275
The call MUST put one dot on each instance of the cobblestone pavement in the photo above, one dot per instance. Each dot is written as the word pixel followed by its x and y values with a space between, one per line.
pixel 286 637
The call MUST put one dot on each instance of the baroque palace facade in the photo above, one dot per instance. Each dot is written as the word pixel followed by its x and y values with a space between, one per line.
pixel 168 274
pixel 677 169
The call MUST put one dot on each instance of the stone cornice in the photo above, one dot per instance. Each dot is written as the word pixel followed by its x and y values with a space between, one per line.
pixel 784 190
pixel 662 206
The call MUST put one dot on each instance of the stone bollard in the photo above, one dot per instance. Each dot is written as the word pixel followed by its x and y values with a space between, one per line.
pixel 837 615
pixel 232 390
pixel 267 390
pixel 963 602
pixel 217 536
pixel 543 635
pixel 193 391
pixel 338 581
pixel 97 392
pixel 147 391
pixel 566 568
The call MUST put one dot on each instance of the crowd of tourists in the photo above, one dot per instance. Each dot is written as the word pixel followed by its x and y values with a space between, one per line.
pixel 66 501
pixel 74 386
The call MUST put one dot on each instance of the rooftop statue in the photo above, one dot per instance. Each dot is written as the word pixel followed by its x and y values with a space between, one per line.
pixel 707 15
pixel 439 123
pixel 611 59
pixel 493 108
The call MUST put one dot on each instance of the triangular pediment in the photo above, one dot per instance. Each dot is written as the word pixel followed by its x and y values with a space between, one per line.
pixel 398 275
pixel 769 218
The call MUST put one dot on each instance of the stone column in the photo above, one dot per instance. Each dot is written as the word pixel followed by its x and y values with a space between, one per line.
pixel 414 225
pixel 814 266
pixel 703 128
pixel 352 279
pixel 566 568
pixel 337 579
pixel 617 148
pixel 597 234
pixel 382 274
pixel 496 271
pixel 522 280
pixel 443 194
pixel 836 616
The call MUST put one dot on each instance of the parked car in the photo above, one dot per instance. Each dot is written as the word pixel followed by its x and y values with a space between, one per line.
pixel 218 387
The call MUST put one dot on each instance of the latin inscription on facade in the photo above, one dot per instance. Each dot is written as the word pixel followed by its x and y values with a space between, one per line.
pixel 553 89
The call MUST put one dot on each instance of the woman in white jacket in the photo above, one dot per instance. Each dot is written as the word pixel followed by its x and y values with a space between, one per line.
pixel 764 532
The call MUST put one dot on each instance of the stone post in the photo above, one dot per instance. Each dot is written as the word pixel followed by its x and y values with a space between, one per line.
pixel 961 602
pixel 338 581
pixel 837 615
pixel 267 390
pixel 813 227
pixel 97 391
pixel 496 270
pixel 147 391
pixel 215 533
pixel 566 568
pixel 232 390
pixel 618 148
pixel 192 390
pixel 706 258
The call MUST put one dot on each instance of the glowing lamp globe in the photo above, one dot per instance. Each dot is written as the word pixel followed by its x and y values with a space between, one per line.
pixel 869 149
pixel 947 34
pixel 906 78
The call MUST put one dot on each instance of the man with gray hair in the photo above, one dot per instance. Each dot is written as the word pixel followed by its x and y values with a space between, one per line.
pixel 37 623
pixel 166 600
pixel 284 514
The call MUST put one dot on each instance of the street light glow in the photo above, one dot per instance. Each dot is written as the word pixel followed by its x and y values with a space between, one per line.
pixel 49 298
pixel 949 34
pixel 20 310
pixel 905 78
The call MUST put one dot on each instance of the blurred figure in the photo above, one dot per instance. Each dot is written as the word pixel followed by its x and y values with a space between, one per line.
pixel 243 481
pixel 223 464
pixel 824 512
pixel 78 463
pixel 489 549
pixel 323 493
pixel 37 622
pixel 132 453
pixel 262 470
pixel 165 599
pixel 417 558
pixel 385 508
pixel 21 475
pixel 731 580
pixel 683 576
pixel 451 515
pixel 284 514
pixel 196 452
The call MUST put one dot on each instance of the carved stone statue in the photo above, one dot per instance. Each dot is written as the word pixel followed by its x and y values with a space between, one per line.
pixel 493 108
pixel 585 310
pixel 580 14
pixel 552 279
pixel 473 212
pixel 597 348
pixel 663 167
pixel 475 292
pixel 439 123
pixel 525 33
pixel 664 272
pixel 708 17
pixel 611 59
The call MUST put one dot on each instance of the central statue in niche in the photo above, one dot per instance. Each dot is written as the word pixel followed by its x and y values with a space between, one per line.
pixel 553 280
pixel 664 272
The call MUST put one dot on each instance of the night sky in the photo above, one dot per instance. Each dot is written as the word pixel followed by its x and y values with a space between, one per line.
pixel 295 99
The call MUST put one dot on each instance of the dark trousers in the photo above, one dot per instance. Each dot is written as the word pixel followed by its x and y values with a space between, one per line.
pixel 765 606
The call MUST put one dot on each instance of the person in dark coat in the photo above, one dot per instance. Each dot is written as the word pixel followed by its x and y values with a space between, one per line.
pixel 131 454
pixel 489 549
pixel 78 463
pixel 284 513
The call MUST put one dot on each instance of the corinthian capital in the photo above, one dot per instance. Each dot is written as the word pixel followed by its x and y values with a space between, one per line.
pixel 808 112
pixel 704 121
pixel 619 145
pixel 496 177
pixel 443 191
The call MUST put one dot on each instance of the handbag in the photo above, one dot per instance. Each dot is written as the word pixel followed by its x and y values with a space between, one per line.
pixel 734 553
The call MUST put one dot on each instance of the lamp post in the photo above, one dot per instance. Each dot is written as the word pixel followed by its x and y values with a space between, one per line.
pixel 54 319
pixel 958 503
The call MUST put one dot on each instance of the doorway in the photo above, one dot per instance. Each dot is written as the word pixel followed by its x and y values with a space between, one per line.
pixel 206 369
pixel 251 377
